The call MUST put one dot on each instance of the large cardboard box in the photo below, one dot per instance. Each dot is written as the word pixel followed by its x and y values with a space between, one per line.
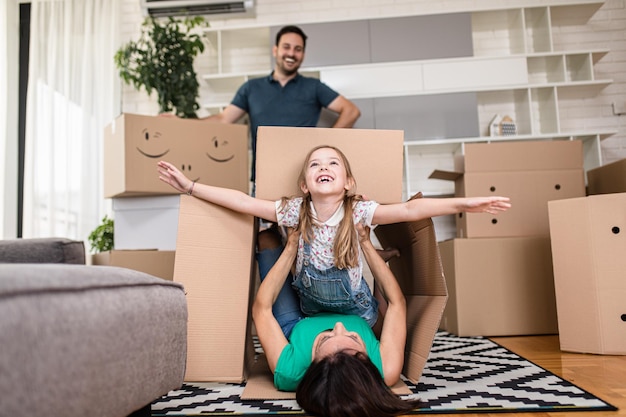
pixel 214 260
pixel 499 286
pixel 610 178
pixel 146 222
pixel 375 157
pixel 588 249
pixel 211 153
pixel 531 173
pixel 159 263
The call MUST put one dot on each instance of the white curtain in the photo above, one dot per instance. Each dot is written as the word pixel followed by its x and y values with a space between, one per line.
pixel 9 46
pixel 71 98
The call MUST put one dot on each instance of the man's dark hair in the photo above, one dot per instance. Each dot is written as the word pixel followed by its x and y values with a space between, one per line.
pixel 291 29
pixel 348 385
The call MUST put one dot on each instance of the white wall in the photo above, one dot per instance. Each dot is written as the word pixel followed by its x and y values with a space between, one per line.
pixel 605 30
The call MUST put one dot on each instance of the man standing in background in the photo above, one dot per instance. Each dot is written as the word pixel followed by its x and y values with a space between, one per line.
pixel 285 97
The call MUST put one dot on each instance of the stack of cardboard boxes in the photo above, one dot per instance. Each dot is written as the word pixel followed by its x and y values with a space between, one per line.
pixel 588 247
pixel 145 210
pixel 499 268
pixel 215 262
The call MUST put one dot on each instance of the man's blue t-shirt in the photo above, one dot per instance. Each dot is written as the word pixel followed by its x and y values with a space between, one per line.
pixel 298 104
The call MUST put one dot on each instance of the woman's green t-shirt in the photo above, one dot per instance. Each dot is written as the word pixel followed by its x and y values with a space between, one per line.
pixel 296 357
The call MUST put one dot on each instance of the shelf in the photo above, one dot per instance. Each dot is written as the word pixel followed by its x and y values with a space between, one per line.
pixel 439 76
pixel 245 49
pixel 453 144
pixel 511 31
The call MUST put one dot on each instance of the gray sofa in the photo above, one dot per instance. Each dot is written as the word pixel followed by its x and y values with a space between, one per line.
pixel 79 340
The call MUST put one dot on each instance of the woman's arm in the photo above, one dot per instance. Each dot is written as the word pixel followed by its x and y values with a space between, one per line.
pixel 225 197
pixel 268 330
pixel 393 334
pixel 423 208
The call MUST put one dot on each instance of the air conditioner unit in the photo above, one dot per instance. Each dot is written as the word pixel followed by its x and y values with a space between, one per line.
pixel 217 9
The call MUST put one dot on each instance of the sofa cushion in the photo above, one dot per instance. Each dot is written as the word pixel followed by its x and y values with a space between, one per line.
pixel 88 340
pixel 42 250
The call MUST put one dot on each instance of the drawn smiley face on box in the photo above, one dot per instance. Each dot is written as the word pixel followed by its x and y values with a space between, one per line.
pixel 152 145
pixel 210 153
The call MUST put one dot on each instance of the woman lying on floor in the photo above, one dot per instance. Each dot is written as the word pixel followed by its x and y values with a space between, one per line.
pixel 334 362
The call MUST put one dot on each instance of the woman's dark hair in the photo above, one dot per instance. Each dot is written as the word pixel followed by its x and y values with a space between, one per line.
pixel 291 29
pixel 348 385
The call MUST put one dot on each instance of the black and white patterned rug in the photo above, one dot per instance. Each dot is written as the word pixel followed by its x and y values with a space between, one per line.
pixel 462 375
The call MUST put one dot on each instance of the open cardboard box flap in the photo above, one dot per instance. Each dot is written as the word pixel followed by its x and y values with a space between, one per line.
pixel 419 272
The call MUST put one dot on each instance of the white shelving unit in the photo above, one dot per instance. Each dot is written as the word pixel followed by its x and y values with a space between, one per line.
pixel 515 71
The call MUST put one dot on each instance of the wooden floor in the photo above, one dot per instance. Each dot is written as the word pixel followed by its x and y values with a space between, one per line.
pixel 601 375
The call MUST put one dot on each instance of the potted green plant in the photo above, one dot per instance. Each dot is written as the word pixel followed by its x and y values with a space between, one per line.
pixel 101 238
pixel 162 61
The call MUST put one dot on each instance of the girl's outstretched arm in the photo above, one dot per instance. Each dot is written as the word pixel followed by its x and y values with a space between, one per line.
pixel 422 208
pixel 225 197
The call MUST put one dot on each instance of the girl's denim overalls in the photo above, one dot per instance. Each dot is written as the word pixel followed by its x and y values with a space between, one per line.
pixel 330 291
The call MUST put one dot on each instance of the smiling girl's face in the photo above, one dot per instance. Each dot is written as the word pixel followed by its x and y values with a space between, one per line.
pixel 326 173
pixel 337 339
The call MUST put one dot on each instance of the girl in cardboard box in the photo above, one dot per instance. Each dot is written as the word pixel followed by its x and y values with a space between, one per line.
pixel 335 362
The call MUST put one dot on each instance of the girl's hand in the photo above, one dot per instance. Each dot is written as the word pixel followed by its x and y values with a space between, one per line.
pixel 169 174
pixel 491 205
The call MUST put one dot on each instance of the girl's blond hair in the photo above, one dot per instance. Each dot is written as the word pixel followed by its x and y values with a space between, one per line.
pixel 346 245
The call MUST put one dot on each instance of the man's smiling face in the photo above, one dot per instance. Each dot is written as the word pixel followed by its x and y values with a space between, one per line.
pixel 289 53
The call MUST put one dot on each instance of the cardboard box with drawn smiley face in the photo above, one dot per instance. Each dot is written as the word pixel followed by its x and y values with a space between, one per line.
pixel 210 153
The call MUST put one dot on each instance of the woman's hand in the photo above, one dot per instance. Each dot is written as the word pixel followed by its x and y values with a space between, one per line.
pixel 169 174
pixel 293 237
pixel 491 205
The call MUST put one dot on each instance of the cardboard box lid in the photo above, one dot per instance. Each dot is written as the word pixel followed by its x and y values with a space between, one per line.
pixel 523 156
pixel 439 174
pixel 515 156
pixel 420 274
pixel 375 158
pixel 146 203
